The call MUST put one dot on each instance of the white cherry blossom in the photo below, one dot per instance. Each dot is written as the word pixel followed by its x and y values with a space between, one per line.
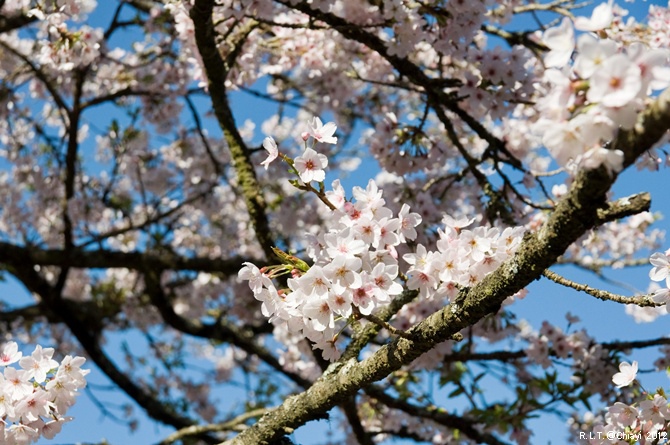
pixel 561 42
pixel 270 146
pixel 616 82
pixel 601 17
pixel 310 166
pixel 323 133
pixel 591 53
pixel 661 269
pixel 626 375
pixel 34 400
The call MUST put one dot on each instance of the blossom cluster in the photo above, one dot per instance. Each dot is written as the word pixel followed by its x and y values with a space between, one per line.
pixel 186 31
pixel 310 165
pixel 35 398
pixel 355 263
pixel 595 86
pixel 462 259
pixel 590 362
pixel 646 421
pixel 65 48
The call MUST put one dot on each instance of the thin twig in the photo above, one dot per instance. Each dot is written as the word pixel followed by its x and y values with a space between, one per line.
pixel 642 300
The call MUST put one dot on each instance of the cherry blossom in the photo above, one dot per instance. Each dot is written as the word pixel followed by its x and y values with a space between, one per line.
pixel 626 375
pixel 10 353
pixel 38 364
pixel 661 269
pixel 310 166
pixel 560 40
pixel 601 17
pixel 323 133
pixel 622 415
pixel 345 274
pixel 34 400
pixel 591 54
pixel 616 82
pixel 270 146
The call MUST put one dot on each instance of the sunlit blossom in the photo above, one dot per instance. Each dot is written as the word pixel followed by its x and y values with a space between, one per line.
pixel 626 375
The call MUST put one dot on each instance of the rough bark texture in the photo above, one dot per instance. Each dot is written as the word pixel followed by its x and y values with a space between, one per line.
pixel 217 71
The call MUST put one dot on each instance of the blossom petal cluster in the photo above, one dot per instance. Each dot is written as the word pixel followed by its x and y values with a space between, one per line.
pixel 310 165
pixel 355 268
pixel 35 398
pixel 462 259
pixel 638 422
pixel 596 85
pixel 589 359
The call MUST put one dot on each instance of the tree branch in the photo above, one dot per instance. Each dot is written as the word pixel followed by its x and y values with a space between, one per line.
pixel 12 22
pixel 436 414
pixel 218 330
pixel 643 300
pixel 631 205
pixel 234 424
pixel 108 259
pixel 216 71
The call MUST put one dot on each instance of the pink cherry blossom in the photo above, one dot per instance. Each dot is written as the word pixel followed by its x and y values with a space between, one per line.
pixel 35 406
pixel 318 310
pixel 622 415
pixel 51 428
pixel 655 410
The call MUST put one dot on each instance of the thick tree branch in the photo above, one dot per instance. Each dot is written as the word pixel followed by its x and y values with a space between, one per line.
pixel 219 330
pixel 12 22
pixel 107 259
pixel 216 70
